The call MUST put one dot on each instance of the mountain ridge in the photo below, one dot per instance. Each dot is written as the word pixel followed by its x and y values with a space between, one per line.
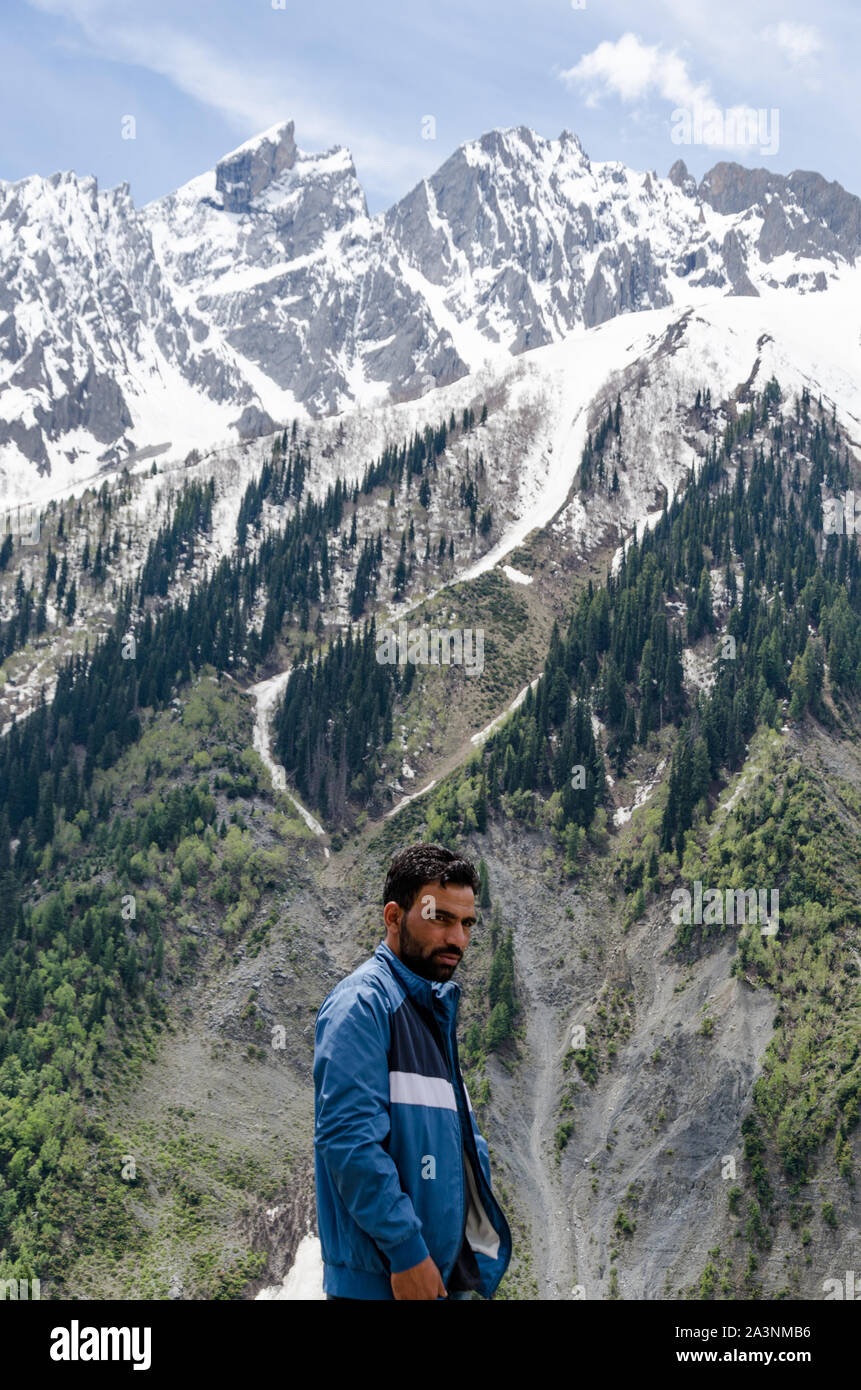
pixel 262 290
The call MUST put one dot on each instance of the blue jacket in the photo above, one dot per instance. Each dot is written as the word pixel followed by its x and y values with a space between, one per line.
pixel 392 1126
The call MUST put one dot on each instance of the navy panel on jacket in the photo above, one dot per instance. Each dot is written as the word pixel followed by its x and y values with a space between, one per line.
pixel 413 1047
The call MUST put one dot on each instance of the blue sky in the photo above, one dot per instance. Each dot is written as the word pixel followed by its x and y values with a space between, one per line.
pixel 201 76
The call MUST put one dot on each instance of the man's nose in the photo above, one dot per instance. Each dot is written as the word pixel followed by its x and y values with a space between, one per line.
pixel 457 938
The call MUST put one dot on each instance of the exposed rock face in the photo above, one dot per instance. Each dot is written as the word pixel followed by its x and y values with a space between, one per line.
pixel 802 212
pixel 623 282
pixel 253 422
pixel 679 176
pixel 734 261
pixel 263 288
pixel 96 404
pixel 277 1229
pixel 240 176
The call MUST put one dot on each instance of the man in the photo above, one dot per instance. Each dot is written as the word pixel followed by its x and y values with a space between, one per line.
pixel 405 1208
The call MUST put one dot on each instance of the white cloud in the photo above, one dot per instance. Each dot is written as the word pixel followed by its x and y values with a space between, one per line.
pixel 633 70
pixel 797 42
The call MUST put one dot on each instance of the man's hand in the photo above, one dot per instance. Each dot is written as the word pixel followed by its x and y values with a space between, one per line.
pixel 423 1281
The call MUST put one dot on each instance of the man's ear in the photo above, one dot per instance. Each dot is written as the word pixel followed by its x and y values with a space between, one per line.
pixel 392 916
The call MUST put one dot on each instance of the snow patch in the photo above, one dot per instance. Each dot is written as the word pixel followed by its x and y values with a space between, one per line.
pixel 304 1280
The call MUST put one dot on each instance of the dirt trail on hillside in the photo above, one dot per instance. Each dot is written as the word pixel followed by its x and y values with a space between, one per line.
pixel 551 1221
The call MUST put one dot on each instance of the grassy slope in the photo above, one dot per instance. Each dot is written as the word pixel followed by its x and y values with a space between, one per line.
pixel 178 1165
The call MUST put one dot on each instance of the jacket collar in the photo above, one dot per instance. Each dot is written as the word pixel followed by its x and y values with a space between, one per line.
pixel 417 987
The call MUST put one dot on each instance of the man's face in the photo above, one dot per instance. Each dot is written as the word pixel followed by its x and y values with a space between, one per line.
pixel 431 938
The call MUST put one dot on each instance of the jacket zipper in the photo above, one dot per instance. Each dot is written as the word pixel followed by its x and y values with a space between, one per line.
pixel 464 1191
pixel 466 1200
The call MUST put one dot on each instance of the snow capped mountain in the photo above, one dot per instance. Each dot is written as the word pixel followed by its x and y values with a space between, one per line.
pixel 262 289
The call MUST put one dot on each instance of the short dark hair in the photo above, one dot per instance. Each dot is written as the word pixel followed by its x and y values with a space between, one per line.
pixel 422 863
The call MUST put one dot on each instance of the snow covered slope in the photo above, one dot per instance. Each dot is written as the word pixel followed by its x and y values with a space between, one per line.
pixel 541 406
pixel 545 401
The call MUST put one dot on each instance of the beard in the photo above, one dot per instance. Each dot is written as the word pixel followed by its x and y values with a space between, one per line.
pixel 423 960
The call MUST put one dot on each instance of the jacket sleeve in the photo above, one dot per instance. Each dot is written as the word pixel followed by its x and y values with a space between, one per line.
pixel 351 1083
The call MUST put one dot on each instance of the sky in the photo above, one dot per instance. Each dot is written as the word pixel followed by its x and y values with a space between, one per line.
pixel 154 92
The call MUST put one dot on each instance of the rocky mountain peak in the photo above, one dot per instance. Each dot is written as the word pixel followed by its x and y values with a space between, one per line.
pixel 249 170
pixel 679 176
pixel 261 287
pixel 568 140
pixel 732 188
pixel 802 212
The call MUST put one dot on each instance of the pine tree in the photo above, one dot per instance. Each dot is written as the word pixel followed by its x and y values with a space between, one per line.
pixel 71 603
pixel 484 885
